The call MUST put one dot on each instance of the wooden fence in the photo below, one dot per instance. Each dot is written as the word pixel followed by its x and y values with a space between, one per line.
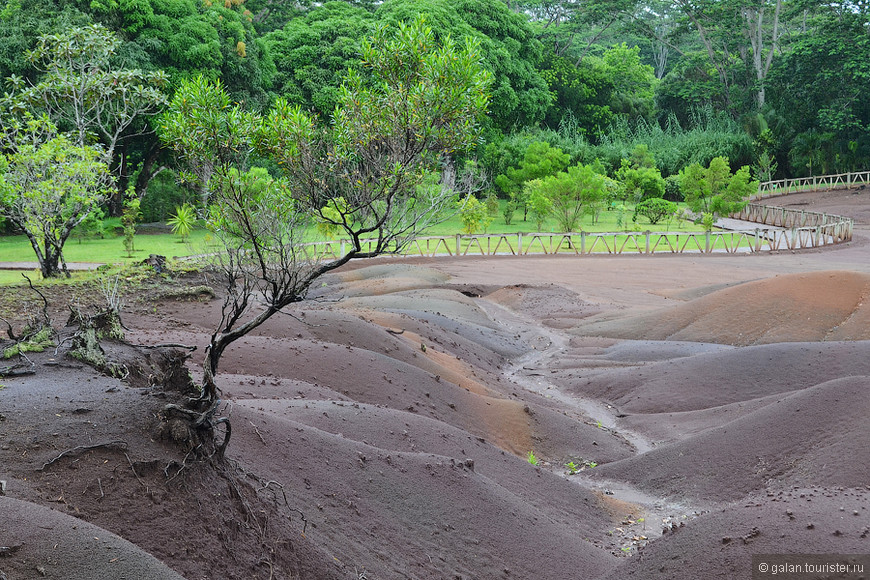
pixel 815 183
pixel 780 229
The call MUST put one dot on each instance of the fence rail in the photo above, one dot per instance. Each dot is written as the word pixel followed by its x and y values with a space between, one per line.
pixel 815 183
pixel 783 229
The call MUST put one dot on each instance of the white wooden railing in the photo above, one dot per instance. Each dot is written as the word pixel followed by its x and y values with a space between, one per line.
pixel 779 229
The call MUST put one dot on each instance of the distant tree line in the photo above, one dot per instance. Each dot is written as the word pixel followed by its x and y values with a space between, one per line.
pixel 773 85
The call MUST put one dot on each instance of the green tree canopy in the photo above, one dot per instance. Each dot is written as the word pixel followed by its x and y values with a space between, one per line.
pixel 48 186
pixel 714 190
pixel 508 45
pixel 571 193
pixel 580 95
pixel 540 160
pixel 633 82
pixel 413 102
pixel 312 53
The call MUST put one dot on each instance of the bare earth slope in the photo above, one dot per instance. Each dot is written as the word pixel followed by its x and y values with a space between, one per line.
pixel 383 429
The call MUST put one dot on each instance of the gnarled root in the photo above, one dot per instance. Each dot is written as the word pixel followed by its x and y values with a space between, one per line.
pixel 197 428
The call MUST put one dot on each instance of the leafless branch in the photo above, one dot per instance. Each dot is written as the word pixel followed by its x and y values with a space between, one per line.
pixel 76 450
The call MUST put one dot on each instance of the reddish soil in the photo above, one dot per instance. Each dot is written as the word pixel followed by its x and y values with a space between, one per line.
pixel 713 407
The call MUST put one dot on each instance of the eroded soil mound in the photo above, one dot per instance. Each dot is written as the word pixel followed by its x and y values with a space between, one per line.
pixel 383 429
pixel 814 306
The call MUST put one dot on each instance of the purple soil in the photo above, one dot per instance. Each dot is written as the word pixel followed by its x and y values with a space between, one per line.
pixel 383 430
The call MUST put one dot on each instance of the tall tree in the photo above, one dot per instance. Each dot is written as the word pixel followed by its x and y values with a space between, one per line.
pixel 746 30
pixel 822 82
pixel 714 191
pixel 312 53
pixel 508 46
pixel 414 102
pixel 48 186
pixel 83 92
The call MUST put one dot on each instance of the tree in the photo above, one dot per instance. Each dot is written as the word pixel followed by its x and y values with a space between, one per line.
pixel 812 148
pixel 714 190
pixel 48 186
pixel 561 23
pixel 473 214
pixel 821 83
pixel 508 48
pixel 540 205
pixel 570 193
pixel 639 176
pixel 580 93
pixel 413 103
pixel 540 160
pixel 655 209
pixel 633 82
pixel 81 90
pixel 312 53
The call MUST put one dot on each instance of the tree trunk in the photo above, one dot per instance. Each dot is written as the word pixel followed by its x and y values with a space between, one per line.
pixel 148 172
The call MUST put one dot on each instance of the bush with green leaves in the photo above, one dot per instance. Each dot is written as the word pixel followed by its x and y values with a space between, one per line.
pixel 491 202
pixel 714 190
pixel 639 177
pixel 570 194
pixel 672 189
pixel 640 183
pixel 540 160
pixel 163 195
pixel 509 209
pixel 92 227
pixel 655 209
pixel 474 215
pixel 131 215
pixel 540 205
pixel 48 186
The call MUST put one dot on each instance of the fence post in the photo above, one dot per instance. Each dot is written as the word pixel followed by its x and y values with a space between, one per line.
pixel 646 235
pixel 519 243
pixel 582 243
pixel 458 245
pixel 707 241
pixel 757 240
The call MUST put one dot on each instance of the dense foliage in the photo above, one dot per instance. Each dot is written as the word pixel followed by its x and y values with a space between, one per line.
pixel 779 86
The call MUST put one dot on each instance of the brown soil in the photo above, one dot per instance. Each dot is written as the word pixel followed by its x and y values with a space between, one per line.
pixel 383 430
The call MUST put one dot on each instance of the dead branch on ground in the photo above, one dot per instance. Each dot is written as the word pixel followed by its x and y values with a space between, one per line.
pixel 118 444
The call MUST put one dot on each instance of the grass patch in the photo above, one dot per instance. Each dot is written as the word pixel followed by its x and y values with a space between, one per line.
pixel 110 248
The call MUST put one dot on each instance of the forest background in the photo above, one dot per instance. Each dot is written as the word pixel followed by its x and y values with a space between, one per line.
pixel 779 86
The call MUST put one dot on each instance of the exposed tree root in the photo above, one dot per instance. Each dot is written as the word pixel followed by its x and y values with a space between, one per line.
pixel 76 450
pixel 197 428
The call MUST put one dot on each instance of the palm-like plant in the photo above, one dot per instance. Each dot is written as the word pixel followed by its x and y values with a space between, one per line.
pixel 183 221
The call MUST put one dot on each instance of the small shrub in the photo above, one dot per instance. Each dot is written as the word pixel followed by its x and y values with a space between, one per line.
pixel 183 221
pixel 492 203
pixel 655 209
pixel 473 214
pixel 91 227
pixel 672 189
pixel 132 214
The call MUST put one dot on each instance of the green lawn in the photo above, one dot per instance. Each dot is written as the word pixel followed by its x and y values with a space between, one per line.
pixel 110 249
pixel 607 222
